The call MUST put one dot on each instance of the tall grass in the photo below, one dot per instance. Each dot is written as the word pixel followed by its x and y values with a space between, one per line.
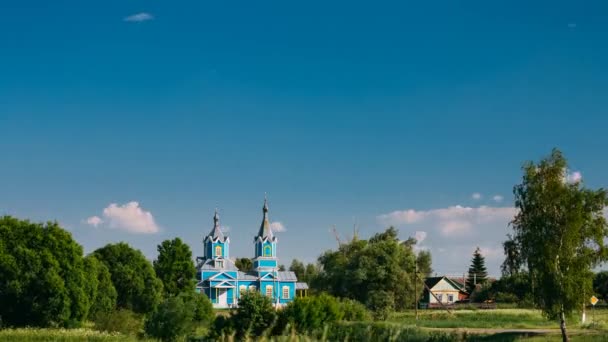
pixel 63 335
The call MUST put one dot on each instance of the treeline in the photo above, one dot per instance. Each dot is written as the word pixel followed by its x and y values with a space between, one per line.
pixel 46 281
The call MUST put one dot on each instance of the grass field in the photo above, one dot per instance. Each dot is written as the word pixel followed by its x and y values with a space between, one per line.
pixel 494 319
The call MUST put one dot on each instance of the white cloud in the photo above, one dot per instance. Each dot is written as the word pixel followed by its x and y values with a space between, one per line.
pixel 476 196
pixel 574 177
pixel 420 236
pixel 497 198
pixel 129 217
pixel 94 221
pixel 139 17
pixel 454 220
pixel 277 227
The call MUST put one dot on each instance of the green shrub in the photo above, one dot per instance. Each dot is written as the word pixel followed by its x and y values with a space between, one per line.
pixel 254 316
pixel 122 320
pixel 505 297
pixel 382 303
pixel 353 310
pixel 310 314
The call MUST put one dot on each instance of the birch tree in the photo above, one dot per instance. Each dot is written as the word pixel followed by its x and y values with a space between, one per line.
pixel 560 231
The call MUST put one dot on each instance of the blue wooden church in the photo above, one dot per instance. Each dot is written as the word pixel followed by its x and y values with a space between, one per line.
pixel 223 283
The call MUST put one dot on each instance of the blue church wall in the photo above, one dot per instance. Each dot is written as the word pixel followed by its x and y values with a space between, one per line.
pixel 264 263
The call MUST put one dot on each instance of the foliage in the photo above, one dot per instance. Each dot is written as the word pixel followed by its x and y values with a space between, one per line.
pixel 477 271
pixel 352 310
pixel 282 268
pixel 382 331
pixel 560 232
pixel 384 263
pixel 243 264
pixel 63 335
pixel 174 267
pixel 101 291
pixel 255 314
pixel 600 284
pixel 42 275
pixel 304 273
pixel 515 288
pixel 381 303
pixel 310 314
pixel 134 279
pixel 513 263
pixel 121 320
pixel 178 316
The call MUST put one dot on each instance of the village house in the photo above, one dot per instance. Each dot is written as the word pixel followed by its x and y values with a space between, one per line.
pixel 445 290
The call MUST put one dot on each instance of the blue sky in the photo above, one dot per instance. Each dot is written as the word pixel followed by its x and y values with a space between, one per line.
pixel 375 113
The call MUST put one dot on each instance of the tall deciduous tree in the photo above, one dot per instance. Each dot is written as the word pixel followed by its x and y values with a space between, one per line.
pixel 174 267
pixel 133 276
pixel 478 273
pixel 361 269
pixel 102 293
pixel 513 263
pixel 42 275
pixel 561 232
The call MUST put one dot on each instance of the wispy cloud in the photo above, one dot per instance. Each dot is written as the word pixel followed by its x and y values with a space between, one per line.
pixel 454 220
pixel 129 217
pixel 277 227
pixel 497 198
pixel 139 17
pixel 476 196
pixel 94 221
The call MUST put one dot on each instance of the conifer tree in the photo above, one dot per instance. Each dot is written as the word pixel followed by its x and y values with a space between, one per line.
pixel 477 272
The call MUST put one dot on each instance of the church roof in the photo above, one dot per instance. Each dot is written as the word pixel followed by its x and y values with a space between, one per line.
pixel 248 276
pixel 216 231
pixel 287 276
pixel 265 231
pixel 301 286
pixel 209 264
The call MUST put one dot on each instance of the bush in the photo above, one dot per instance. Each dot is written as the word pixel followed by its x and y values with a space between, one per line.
pixel 310 314
pixel 354 311
pixel 505 297
pixel 122 320
pixel 381 303
pixel 254 316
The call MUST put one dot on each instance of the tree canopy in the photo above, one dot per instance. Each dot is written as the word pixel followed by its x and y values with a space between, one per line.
pixel 361 268
pixel 243 264
pixel 174 267
pixel 560 232
pixel 101 291
pixel 133 277
pixel 42 275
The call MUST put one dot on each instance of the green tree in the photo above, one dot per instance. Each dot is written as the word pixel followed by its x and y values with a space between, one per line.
pixel 133 277
pixel 254 316
pixel 177 317
pixel 42 275
pixel 561 231
pixel 243 264
pixel 282 268
pixel 513 263
pixel 101 291
pixel 478 275
pixel 360 267
pixel 298 268
pixel 174 267
pixel 600 284
pixel 381 303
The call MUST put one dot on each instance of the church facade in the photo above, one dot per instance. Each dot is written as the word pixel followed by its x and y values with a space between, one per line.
pixel 224 283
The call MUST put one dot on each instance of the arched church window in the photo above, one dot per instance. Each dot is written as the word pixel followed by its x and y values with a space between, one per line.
pixel 218 250
pixel 268 290
pixel 252 288
pixel 242 289
pixel 267 251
